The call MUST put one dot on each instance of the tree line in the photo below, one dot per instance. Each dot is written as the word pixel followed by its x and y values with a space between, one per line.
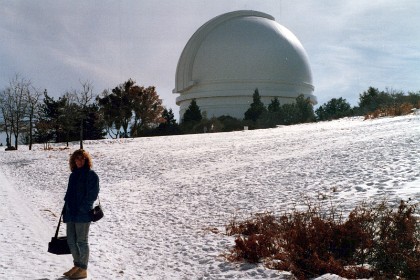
pixel 29 115
pixel 372 103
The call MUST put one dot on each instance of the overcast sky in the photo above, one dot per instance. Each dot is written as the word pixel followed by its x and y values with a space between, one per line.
pixel 58 44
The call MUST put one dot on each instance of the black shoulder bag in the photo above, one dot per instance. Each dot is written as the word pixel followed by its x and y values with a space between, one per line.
pixel 96 213
pixel 58 245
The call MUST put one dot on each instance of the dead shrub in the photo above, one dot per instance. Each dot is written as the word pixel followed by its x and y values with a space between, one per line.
pixel 256 238
pixel 314 242
pixel 391 111
pixel 396 249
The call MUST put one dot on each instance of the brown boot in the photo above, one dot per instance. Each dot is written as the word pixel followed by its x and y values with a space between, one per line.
pixel 79 274
pixel 71 271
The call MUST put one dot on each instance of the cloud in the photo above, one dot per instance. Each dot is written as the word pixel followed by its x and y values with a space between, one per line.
pixel 351 44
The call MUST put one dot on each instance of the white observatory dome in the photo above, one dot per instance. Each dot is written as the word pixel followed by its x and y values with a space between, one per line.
pixel 231 55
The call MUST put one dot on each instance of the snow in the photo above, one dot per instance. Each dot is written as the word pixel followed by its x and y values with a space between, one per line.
pixel 167 199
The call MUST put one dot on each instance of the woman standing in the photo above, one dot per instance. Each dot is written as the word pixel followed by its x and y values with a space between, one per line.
pixel 82 191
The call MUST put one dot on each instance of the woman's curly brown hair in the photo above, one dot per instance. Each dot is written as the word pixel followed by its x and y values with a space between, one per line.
pixel 80 154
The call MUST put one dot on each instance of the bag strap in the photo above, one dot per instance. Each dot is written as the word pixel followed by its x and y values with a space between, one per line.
pixel 59 222
pixel 87 177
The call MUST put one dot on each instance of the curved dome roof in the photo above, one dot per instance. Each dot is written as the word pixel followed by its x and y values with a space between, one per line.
pixel 243 46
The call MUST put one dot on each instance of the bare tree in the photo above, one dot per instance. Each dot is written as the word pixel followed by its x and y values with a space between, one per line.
pixel 83 98
pixel 33 104
pixel 5 117
pixel 14 105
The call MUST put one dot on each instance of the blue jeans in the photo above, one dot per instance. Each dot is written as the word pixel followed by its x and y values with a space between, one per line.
pixel 77 238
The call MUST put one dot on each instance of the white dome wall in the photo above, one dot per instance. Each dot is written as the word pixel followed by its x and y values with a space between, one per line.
pixel 235 53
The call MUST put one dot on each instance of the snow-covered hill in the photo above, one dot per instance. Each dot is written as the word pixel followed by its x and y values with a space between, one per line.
pixel 164 197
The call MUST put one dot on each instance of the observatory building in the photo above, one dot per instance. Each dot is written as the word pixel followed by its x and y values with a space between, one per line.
pixel 233 54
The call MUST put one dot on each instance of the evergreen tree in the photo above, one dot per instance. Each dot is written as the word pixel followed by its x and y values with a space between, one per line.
pixel 272 116
pixel 169 117
pixel 274 106
pixel 305 110
pixel 51 126
pixel 94 125
pixel 414 99
pixel 369 99
pixel 289 114
pixel 334 109
pixel 193 113
pixel 256 108
pixel 69 120
pixel 229 123
pixel 169 126
pixel 373 99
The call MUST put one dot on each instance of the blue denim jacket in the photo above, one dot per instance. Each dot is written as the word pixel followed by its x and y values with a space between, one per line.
pixel 82 191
